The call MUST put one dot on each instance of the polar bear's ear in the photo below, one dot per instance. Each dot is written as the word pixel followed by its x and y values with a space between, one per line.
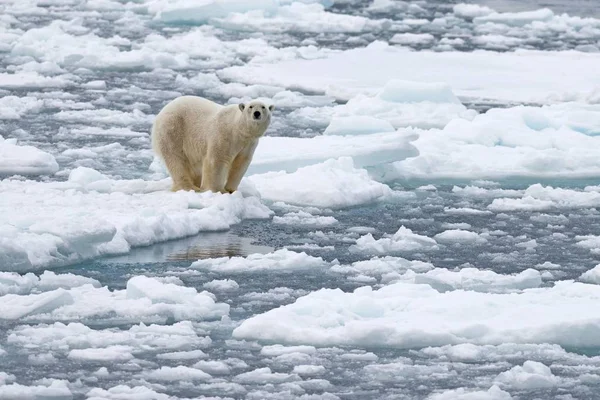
pixel 242 106
pixel 271 107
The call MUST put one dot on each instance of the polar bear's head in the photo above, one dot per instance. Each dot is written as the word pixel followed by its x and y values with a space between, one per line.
pixel 257 114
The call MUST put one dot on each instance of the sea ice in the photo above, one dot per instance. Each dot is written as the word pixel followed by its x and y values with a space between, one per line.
pixel 24 160
pixel 509 76
pixel 404 315
pixel 92 215
pixel 532 375
pixel 279 260
pixel 404 240
pixel 339 184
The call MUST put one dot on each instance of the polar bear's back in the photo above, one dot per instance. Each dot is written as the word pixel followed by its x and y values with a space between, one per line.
pixel 184 122
pixel 192 108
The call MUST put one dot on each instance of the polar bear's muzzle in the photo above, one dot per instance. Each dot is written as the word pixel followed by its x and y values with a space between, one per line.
pixel 256 115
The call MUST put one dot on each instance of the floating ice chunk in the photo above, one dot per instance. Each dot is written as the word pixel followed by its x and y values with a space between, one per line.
pixel 50 281
pixel 95 85
pixel 459 236
pixel 521 141
pixel 32 80
pixel 540 198
pixel 299 17
pixel 113 354
pixel 493 393
pixel 532 375
pixel 304 218
pixel 186 11
pixel 278 350
pixel 412 38
pixel 478 280
pixel 265 376
pixel 136 303
pixel 357 125
pixel 407 104
pixel 222 285
pixel 338 182
pixel 469 73
pixel 591 276
pixel 403 240
pixel 140 287
pixel 104 116
pixel 213 367
pixel 517 18
pixel 384 268
pixel 280 260
pixel 13 107
pixel 61 338
pixel 289 154
pixel 471 10
pixel 122 392
pixel 309 370
pixel 182 355
pixel 15 306
pixel 55 390
pixel 24 160
pixel 118 132
pixel 411 315
pixel 6 378
pixel 179 373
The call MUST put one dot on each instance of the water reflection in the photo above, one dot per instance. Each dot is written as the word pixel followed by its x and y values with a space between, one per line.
pixel 201 246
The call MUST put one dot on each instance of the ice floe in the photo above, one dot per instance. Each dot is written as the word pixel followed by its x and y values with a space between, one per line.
pixel 16 159
pixel 118 215
pixel 480 74
pixel 404 315
pixel 280 260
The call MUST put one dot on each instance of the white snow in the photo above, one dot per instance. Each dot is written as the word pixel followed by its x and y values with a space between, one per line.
pixel 459 236
pixel 591 276
pixel 357 125
pixel 404 315
pixel 24 160
pixel 402 104
pixel 288 154
pixel 279 260
pixel 412 38
pixel 471 10
pixel 402 241
pixel 222 285
pixel 510 76
pixel 179 373
pixel 91 215
pixel 532 375
pixel 493 393
pixel 144 299
pixel 11 282
pixel 54 389
pixel 550 141
pixel 476 279
pixel 339 184
pixel 304 218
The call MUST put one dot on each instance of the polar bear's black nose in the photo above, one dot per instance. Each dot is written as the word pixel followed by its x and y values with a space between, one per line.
pixel 256 114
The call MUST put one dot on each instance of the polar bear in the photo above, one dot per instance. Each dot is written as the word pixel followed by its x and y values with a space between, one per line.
pixel 207 146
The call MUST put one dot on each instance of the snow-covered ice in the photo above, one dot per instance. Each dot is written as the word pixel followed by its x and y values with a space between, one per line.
pixel 393 316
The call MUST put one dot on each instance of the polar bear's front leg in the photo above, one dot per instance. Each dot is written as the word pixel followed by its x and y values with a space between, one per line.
pixel 214 176
pixel 238 169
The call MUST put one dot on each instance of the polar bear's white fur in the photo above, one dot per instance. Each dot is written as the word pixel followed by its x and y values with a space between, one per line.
pixel 207 146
